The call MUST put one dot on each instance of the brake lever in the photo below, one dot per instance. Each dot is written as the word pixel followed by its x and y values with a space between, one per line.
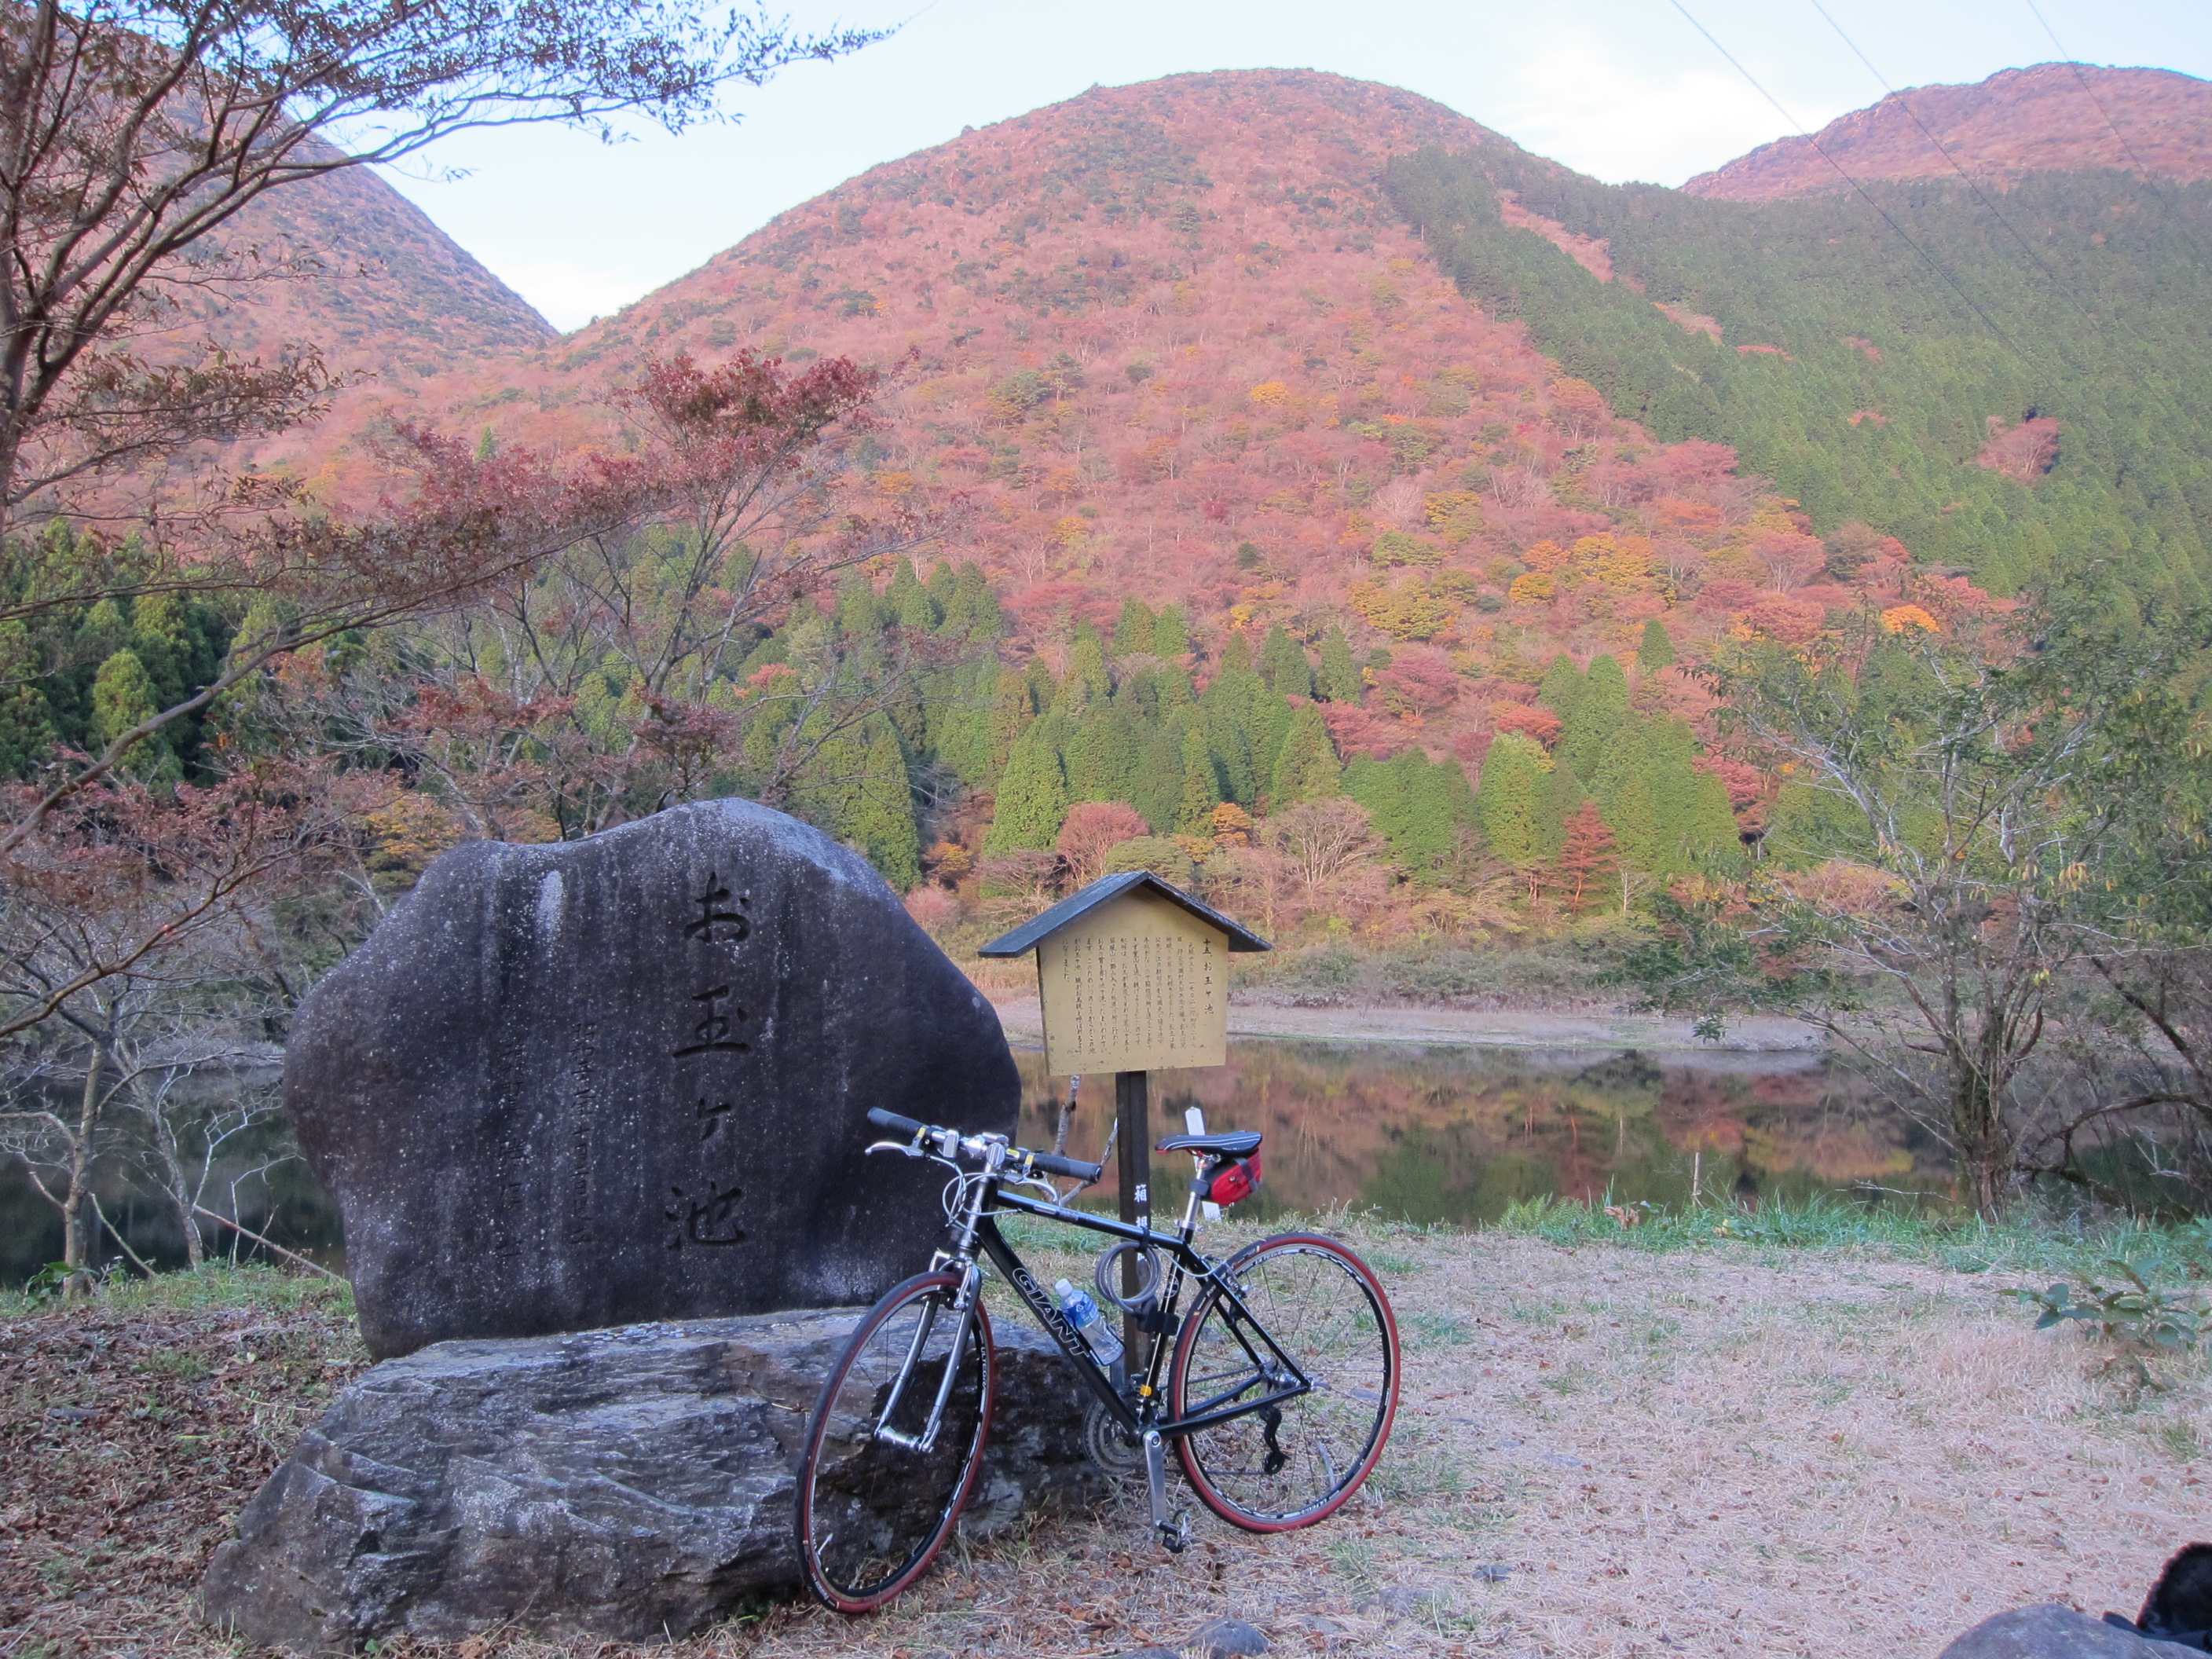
pixel 906 1146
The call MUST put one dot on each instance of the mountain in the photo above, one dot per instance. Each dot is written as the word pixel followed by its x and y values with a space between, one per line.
pixel 380 289
pixel 2053 118
pixel 2004 381
pixel 1175 339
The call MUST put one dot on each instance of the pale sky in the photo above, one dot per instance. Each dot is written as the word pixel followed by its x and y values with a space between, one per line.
pixel 1619 89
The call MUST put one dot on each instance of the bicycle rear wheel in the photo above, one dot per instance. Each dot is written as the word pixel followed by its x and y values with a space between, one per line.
pixel 1313 1303
pixel 872 1513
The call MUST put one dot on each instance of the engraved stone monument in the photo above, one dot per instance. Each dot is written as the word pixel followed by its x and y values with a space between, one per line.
pixel 625 1079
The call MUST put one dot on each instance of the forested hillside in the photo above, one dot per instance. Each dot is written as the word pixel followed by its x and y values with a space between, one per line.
pixel 2052 117
pixel 1276 479
pixel 1996 379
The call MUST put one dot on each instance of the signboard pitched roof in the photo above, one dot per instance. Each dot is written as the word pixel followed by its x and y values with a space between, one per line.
pixel 1034 931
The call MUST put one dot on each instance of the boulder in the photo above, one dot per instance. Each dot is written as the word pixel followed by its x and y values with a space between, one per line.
pixel 625 1079
pixel 622 1484
pixel 2051 1631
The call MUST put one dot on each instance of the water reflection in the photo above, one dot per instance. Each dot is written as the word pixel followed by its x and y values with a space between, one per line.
pixel 1450 1134
pixel 1456 1134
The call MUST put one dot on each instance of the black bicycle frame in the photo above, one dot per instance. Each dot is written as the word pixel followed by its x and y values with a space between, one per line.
pixel 1188 1263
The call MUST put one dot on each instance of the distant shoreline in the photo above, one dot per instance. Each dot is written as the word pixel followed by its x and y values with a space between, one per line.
pixel 1500 1028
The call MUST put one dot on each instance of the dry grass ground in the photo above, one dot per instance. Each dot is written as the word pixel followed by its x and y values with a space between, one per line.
pixel 1726 1449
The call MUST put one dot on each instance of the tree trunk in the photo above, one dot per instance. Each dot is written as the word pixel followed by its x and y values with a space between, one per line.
pixel 76 1223
pixel 174 1186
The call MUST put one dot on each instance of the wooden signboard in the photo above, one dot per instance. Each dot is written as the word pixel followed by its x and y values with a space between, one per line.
pixel 1135 985
pixel 1133 974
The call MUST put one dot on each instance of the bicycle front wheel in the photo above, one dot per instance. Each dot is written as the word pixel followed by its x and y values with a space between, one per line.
pixel 1310 1302
pixel 895 1443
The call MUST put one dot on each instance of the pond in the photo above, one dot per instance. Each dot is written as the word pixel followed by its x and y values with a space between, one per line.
pixel 1426 1133
pixel 1455 1134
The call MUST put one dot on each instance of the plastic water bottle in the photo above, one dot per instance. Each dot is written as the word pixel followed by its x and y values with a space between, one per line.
pixel 1083 1313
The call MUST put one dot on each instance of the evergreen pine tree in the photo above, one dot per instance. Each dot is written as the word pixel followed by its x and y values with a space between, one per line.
pixel 876 813
pixel 944 582
pixel 1013 707
pixel 960 723
pixel 1563 799
pixel 1601 710
pixel 1158 792
pixel 1202 784
pixel 1170 638
pixel 908 602
pixel 1086 681
pixel 123 697
pixel 1105 752
pixel 1338 680
pixel 26 730
pixel 1032 795
pixel 1043 687
pixel 1135 630
pixel 161 640
pixel 1510 799
pixel 1656 650
pixel 1306 768
pixel 1283 664
pixel 1237 655
pixel 1562 687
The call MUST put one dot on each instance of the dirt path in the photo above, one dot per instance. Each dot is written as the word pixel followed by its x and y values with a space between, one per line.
pixel 1501 1028
pixel 1601 1454
pixel 1604 1454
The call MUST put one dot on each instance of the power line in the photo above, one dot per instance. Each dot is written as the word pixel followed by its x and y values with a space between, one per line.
pixel 1797 126
pixel 1971 184
pixel 2149 178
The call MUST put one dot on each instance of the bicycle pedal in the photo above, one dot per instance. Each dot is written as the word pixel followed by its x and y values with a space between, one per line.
pixel 1174 1535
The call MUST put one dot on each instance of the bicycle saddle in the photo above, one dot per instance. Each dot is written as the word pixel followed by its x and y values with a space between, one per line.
pixel 1242 1143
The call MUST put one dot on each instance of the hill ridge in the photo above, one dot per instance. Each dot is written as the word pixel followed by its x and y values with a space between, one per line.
pixel 2046 117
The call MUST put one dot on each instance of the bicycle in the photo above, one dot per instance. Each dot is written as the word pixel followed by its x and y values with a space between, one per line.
pixel 1277 1389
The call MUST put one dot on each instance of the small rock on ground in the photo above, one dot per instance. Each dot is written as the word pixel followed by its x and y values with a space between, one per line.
pixel 2051 1631
pixel 1226 1639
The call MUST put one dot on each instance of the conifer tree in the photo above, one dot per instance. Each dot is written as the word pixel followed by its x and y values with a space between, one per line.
pixel 26 725
pixel 1338 680
pixel 1136 630
pixel 1306 768
pixel 1656 650
pixel 1510 799
pixel 1562 687
pixel 1158 793
pixel 1237 655
pixel 1563 797
pixel 1032 795
pixel 1086 681
pixel 1170 638
pixel 909 601
pixel 1013 707
pixel 1283 664
pixel 1601 710
pixel 944 582
pixel 1104 754
pixel 960 721
pixel 1043 687
pixel 1202 784
pixel 877 813
pixel 123 697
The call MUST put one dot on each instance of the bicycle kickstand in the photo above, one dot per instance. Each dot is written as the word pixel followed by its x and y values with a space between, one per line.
pixel 1174 1534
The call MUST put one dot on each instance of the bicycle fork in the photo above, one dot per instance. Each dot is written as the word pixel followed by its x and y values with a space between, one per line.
pixel 963 1333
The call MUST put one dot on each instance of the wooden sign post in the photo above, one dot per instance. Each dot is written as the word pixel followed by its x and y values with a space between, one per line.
pixel 1133 975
